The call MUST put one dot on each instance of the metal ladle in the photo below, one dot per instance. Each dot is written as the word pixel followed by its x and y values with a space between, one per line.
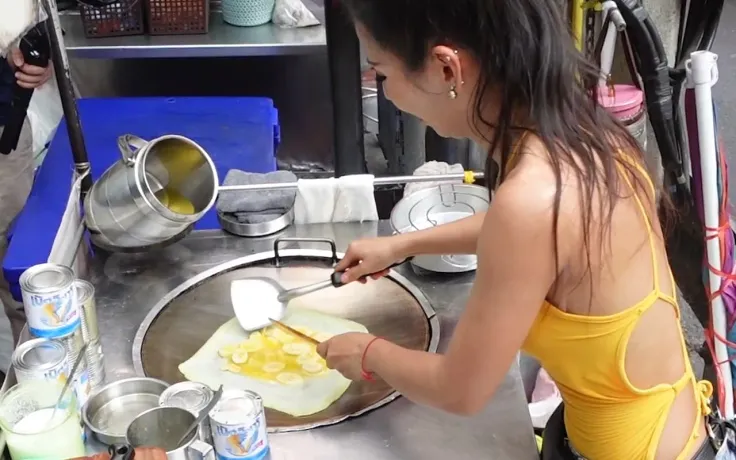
pixel 69 380
pixel 271 298
pixel 203 414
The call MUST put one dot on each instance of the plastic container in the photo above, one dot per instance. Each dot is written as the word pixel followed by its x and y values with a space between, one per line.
pixel 32 427
pixel 247 13
pixel 177 17
pixel 626 102
pixel 124 17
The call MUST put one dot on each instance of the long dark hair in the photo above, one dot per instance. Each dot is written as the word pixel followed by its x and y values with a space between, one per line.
pixel 525 49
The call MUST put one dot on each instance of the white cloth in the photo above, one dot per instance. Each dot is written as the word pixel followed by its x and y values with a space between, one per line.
pixel 293 13
pixel 545 399
pixel 315 201
pixel 16 18
pixel 44 113
pixel 355 201
pixel 432 168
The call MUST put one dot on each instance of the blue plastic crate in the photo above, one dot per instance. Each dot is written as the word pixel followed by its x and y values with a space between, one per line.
pixel 237 132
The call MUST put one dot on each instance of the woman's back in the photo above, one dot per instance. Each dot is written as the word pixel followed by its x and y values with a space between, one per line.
pixel 610 334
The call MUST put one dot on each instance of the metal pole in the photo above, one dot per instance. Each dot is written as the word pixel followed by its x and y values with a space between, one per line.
pixel 377 182
pixel 343 51
pixel 66 91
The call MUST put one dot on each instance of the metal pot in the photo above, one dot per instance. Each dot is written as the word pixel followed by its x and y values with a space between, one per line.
pixel 153 196
pixel 162 427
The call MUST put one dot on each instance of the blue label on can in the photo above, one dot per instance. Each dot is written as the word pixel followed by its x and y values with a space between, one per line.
pixel 241 442
pixel 51 316
pixel 259 456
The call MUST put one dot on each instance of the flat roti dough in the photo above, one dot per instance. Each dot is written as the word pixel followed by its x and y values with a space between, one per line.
pixel 316 394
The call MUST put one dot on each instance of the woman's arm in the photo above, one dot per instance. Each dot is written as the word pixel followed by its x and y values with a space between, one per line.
pixel 371 257
pixel 459 237
pixel 516 269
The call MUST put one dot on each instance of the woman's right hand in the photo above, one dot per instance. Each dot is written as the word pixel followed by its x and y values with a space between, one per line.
pixel 370 258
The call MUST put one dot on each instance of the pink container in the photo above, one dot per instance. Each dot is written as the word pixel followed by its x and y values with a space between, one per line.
pixel 626 102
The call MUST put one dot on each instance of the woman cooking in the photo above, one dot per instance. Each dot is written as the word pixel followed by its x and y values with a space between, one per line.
pixel 572 266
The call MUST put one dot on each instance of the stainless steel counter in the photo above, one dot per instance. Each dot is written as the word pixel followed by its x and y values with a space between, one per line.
pixel 128 286
pixel 223 40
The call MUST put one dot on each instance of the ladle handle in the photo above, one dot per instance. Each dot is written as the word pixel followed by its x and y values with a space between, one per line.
pixel 121 452
pixel 336 277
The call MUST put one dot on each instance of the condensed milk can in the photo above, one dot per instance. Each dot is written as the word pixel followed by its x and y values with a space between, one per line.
pixel 90 333
pixel 192 396
pixel 238 424
pixel 50 301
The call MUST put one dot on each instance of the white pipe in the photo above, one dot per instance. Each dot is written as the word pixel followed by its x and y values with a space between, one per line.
pixel 608 51
pixel 702 75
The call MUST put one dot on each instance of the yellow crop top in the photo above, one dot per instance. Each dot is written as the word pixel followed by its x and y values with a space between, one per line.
pixel 606 416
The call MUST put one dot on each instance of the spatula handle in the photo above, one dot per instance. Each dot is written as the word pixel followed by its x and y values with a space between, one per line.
pixel 336 277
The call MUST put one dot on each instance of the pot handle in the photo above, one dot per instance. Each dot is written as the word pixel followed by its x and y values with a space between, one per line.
pixel 277 245
pixel 129 146
pixel 200 450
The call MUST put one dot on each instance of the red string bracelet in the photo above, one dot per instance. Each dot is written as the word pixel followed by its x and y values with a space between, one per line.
pixel 368 376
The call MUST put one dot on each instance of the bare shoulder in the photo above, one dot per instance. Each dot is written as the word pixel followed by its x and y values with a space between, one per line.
pixel 532 188
pixel 529 194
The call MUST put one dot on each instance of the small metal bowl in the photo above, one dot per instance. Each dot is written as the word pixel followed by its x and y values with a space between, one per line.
pixel 109 411
pixel 231 225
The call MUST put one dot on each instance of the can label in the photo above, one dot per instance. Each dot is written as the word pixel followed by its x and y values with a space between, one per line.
pixel 241 441
pixel 82 387
pixel 58 373
pixel 52 315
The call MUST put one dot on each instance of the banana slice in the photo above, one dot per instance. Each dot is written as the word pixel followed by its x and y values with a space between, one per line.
pixel 281 336
pixel 273 367
pixel 251 345
pixel 296 348
pixel 322 337
pixel 240 357
pixel 306 357
pixel 289 378
pixel 272 342
pixel 255 336
pixel 313 367
pixel 234 368
pixel 227 351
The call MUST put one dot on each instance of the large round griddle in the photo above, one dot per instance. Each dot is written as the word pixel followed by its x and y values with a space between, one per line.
pixel 187 317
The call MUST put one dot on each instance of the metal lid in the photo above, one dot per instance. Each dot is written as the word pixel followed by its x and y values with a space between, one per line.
pixel 438 205
pixel 85 290
pixel 237 406
pixel 46 278
pixel 192 396
pixel 38 354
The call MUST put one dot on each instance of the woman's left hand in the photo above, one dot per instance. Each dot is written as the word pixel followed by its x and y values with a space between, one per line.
pixel 344 353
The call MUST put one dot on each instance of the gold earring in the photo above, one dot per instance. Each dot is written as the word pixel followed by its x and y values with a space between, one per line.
pixel 453 92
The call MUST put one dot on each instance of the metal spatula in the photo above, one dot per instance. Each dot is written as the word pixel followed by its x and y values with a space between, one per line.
pixel 256 300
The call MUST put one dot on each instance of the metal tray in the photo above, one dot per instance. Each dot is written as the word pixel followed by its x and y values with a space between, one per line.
pixel 188 316
pixel 231 225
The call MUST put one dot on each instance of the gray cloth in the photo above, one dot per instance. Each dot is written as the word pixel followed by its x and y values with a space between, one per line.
pixel 262 202
pixel 16 180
